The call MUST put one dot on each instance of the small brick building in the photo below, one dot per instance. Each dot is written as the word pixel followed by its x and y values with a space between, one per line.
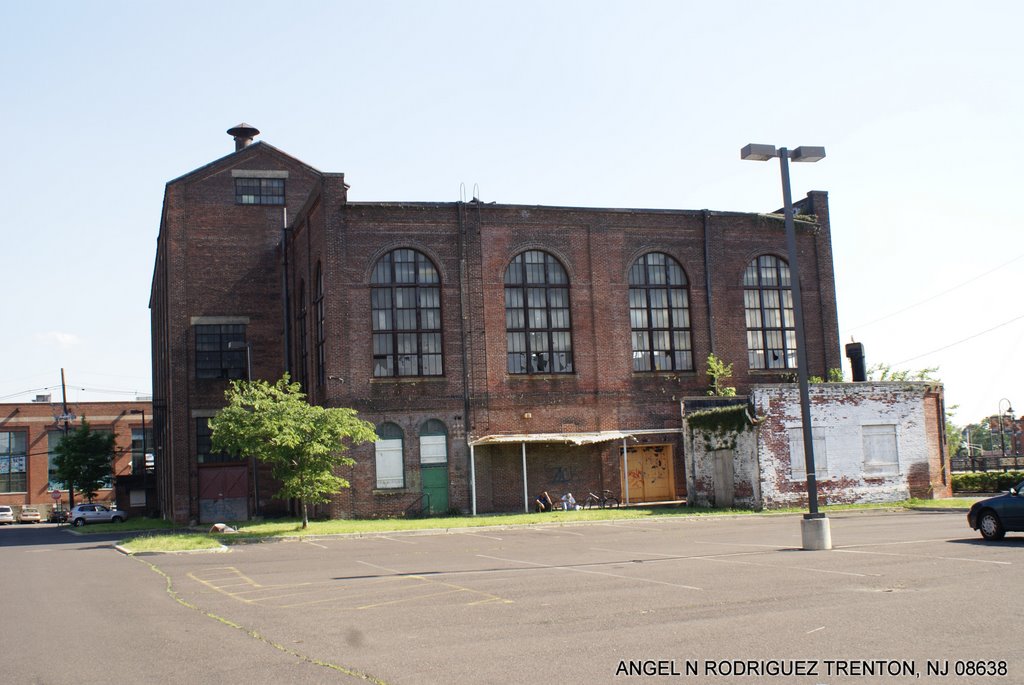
pixel 30 431
pixel 500 350
pixel 873 442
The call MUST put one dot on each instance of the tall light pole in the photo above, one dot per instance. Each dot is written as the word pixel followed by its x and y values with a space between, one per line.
pixel 814 528
pixel 239 345
pixel 1002 439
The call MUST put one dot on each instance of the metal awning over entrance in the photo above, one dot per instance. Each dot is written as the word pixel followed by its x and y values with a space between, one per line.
pixel 575 439
pixel 566 438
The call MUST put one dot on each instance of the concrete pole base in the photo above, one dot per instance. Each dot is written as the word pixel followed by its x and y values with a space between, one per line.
pixel 816 533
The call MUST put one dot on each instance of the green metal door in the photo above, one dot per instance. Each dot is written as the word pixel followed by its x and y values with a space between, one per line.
pixel 435 484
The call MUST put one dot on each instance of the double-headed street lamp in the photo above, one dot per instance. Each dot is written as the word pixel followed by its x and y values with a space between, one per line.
pixel 815 526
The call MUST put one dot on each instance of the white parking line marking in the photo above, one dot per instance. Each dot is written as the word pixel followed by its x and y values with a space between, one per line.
pixel 555 531
pixel 481 535
pixel 590 571
pixel 723 558
pixel 406 542
pixel 925 556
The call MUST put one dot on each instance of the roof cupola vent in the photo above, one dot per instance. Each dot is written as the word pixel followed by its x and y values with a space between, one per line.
pixel 243 135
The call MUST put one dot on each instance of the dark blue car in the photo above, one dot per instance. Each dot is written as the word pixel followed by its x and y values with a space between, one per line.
pixel 997 515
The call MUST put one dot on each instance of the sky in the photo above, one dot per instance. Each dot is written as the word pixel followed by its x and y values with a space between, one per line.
pixel 571 103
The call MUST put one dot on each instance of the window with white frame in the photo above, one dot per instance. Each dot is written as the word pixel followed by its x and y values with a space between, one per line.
pixel 433 443
pixel 797 459
pixel 389 461
pixel 881 455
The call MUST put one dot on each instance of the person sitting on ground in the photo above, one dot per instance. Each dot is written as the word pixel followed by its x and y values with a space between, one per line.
pixel 543 502
pixel 568 502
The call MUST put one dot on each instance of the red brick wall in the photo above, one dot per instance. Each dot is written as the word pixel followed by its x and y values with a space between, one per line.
pixel 471 245
pixel 218 259
pixel 37 420
pixel 215 259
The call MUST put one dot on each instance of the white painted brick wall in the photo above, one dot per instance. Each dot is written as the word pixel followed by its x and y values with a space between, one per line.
pixel 840 412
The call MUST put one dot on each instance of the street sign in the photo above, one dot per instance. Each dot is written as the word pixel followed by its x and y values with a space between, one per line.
pixel 56 494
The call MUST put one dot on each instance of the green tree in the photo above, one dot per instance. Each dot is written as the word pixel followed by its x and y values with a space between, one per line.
pixel 885 372
pixel 719 372
pixel 83 460
pixel 303 443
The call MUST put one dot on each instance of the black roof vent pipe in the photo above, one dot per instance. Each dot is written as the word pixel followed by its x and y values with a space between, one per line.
pixel 243 135
pixel 855 353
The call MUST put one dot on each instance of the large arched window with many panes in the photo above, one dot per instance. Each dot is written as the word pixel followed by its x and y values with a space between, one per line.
pixel 659 314
pixel 768 306
pixel 537 321
pixel 406 307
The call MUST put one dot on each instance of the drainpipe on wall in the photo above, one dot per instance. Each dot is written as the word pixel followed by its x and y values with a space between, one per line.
pixel 707 279
pixel 286 309
pixel 625 469
pixel 526 493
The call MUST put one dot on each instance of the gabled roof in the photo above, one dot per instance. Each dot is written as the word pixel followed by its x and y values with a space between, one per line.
pixel 238 155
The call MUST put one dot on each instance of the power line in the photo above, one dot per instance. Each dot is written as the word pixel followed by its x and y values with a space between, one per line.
pixel 971 337
pixel 937 295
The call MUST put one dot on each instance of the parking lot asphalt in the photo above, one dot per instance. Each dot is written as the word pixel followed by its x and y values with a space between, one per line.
pixel 901 597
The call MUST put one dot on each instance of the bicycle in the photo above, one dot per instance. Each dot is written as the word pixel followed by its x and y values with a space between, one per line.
pixel 606 500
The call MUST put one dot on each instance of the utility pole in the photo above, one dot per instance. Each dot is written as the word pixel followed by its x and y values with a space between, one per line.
pixel 66 417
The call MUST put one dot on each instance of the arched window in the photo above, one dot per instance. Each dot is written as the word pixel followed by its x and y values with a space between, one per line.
pixel 318 306
pixel 389 456
pixel 659 314
pixel 433 442
pixel 406 307
pixel 768 305
pixel 303 337
pixel 537 321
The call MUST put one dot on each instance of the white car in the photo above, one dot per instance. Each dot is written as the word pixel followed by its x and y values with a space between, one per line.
pixel 95 513
pixel 6 514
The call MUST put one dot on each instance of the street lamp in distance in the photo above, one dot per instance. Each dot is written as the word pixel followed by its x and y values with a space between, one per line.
pixel 1002 439
pixel 814 528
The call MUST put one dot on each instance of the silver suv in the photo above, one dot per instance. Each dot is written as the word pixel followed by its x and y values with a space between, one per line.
pixel 95 513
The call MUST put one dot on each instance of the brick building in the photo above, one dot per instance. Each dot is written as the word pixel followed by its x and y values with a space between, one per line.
pixel 500 350
pixel 30 431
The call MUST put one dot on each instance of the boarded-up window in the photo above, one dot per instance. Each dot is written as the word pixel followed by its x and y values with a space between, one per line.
pixel 881 457
pixel 433 443
pixel 797 460
pixel 390 471
pixel 433 449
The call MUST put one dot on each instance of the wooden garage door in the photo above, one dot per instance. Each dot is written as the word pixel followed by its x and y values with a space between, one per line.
pixel 651 475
